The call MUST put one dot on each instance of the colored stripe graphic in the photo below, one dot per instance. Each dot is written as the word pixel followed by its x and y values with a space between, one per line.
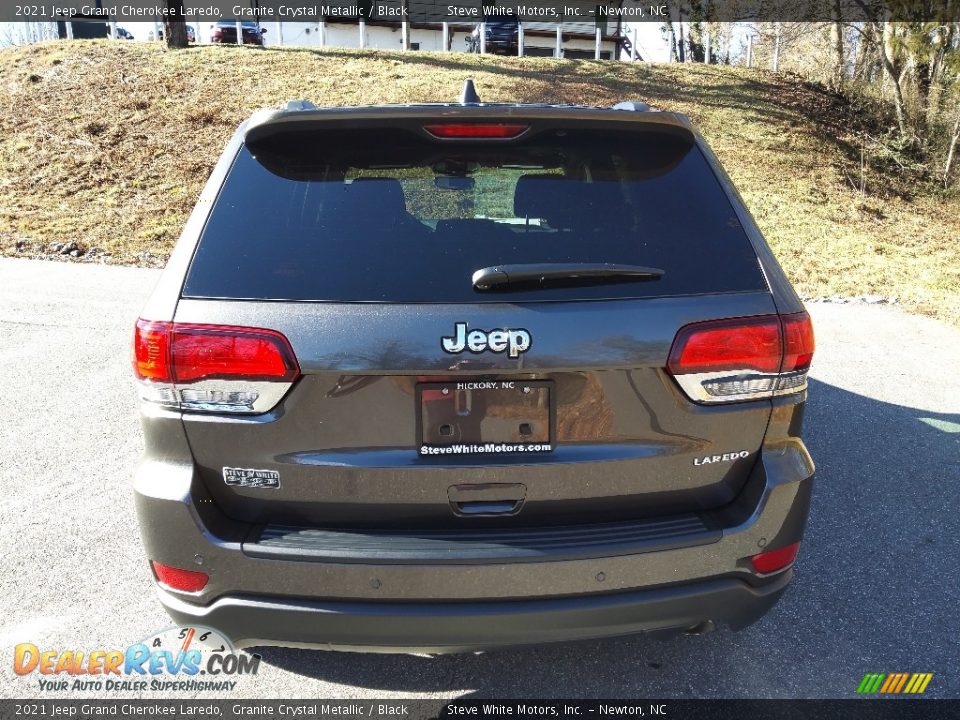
pixel 894 683
pixel 903 681
pixel 870 683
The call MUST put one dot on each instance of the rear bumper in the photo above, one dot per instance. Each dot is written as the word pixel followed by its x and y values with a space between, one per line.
pixel 459 627
pixel 415 598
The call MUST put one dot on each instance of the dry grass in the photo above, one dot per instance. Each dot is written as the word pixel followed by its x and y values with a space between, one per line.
pixel 107 146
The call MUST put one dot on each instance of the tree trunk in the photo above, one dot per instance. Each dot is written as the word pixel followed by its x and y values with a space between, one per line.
pixel 864 61
pixel 836 44
pixel 775 62
pixel 673 43
pixel 951 153
pixel 885 48
pixel 174 28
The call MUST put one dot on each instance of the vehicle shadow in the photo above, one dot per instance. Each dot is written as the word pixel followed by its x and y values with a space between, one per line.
pixel 876 586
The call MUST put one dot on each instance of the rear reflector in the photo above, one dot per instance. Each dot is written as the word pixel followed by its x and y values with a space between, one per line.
pixel 774 560
pixel 212 367
pixel 743 358
pixel 179 579
pixel 476 130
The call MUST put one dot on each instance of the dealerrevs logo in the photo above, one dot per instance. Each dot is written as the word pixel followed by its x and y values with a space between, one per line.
pixel 188 659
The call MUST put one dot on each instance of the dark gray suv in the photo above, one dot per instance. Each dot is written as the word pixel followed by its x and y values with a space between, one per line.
pixel 464 376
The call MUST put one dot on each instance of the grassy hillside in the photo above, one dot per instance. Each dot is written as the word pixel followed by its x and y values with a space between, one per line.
pixel 106 145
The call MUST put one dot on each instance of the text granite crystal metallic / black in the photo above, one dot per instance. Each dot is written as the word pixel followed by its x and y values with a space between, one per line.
pixel 464 376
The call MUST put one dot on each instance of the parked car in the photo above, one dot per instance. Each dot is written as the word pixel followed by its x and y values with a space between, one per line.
pixel 454 377
pixel 502 37
pixel 225 32
pixel 191 34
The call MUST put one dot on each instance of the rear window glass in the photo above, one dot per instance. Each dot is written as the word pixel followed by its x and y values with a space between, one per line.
pixel 391 217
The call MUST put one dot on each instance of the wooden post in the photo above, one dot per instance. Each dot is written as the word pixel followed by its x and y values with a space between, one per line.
pixel 706 46
pixel 596 45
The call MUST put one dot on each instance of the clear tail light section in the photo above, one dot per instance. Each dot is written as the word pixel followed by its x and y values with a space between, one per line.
pixel 212 368
pixel 739 359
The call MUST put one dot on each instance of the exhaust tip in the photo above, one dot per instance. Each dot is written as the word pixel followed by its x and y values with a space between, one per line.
pixel 701 628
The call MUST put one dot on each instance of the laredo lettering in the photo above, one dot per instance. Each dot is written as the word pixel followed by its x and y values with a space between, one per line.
pixel 726 457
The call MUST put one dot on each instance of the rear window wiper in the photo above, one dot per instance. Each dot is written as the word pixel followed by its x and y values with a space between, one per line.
pixel 500 277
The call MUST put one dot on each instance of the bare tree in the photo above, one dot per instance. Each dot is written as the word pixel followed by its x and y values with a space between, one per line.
pixel 951 153
pixel 887 50
pixel 836 42
pixel 865 62
pixel 174 27
pixel 672 38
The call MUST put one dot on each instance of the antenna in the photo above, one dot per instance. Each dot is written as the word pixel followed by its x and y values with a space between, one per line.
pixel 469 95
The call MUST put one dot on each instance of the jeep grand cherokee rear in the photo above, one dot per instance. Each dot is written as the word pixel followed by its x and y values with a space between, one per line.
pixel 469 376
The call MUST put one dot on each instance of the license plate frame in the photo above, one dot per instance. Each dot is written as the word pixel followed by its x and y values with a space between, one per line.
pixel 481 414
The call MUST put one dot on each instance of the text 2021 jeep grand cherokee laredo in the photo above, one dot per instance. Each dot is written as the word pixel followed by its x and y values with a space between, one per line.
pixel 448 377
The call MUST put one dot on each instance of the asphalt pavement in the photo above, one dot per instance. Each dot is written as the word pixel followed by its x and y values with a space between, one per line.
pixel 877 584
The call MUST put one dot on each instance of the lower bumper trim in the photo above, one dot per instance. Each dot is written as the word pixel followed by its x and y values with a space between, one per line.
pixel 437 627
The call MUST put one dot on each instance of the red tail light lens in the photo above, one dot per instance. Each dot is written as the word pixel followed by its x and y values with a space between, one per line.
pixel 212 368
pixel 739 344
pixel 773 560
pixel 798 343
pixel 743 358
pixel 476 130
pixel 179 579
pixel 207 351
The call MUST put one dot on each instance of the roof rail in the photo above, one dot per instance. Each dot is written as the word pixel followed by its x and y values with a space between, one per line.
pixel 298 105
pixel 632 105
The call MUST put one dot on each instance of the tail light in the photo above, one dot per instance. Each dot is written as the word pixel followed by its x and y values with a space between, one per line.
pixel 773 561
pixel 212 368
pixel 179 579
pixel 502 131
pixel 743 358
